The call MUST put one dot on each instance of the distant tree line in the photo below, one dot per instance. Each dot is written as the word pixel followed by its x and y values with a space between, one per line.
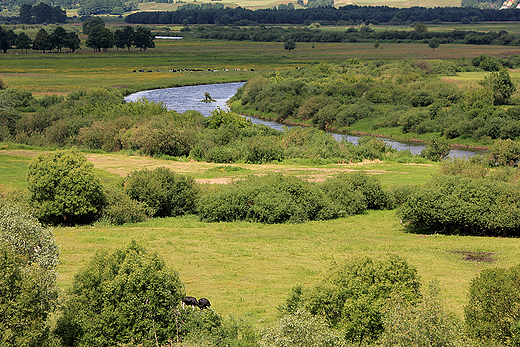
pixel 363 34
pixel 43 41
pixel 346 15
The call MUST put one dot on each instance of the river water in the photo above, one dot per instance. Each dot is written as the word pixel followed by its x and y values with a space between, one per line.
pixel 182 99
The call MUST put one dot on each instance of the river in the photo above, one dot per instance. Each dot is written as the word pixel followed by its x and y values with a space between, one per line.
pixel 182 99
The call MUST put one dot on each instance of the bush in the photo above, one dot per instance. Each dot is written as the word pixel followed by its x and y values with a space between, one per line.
pixel 493 310
pixel 126 296
pixel 424 324
pixel 121 209
pixel 301 329
pixel 163 191
pixel 28 291
pixel 352 296
pixel 505 152
pixel 437 150
pixel 64 189
pixel 268 199
pixel 455 204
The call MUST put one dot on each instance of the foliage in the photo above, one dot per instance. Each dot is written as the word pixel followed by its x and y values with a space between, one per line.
pixel 353 193
pixel 28 292
pixel 458 204
pixel 219 118
pixel 289 45
pixel 166 193
pixel 269 199
pixel 499 84
pixel 121 209
pixel 352 295
pixel 300 329
pixel 434 43
pixel 207 328
pixel 63 187
pixel 492 313
pixel 436 150
pixel 426 323
pixel 121 297
pixel 505 152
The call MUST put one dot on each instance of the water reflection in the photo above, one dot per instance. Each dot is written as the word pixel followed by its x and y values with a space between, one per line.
pixel 182 99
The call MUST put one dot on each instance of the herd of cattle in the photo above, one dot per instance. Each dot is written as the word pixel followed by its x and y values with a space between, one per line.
pixel 193 70
pixel 202 303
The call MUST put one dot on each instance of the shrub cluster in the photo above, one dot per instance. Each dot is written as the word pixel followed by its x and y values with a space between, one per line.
pixel 277 199
pixel 456 204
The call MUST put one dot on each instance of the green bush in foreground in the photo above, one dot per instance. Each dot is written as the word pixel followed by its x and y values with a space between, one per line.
pixel 493 310
pixel 126 296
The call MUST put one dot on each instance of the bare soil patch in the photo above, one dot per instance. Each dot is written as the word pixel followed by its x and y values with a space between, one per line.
pixel 483 257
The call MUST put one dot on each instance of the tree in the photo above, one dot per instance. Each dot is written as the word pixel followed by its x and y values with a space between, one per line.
pixel 23 41
pixel 376 44
pixel 437 150
pixel 120 297
pixel 143 38
pixel 100 37
pixel 90 23
pixel 500 85
pixel 28 291
pixel 63 188
pixel 59 38
pixel 434 43
pixel 493 310
pixel 42 41
pixel 125 37
pixel 7 39
pixel 25 13
pixel 72 41
pixel 289 45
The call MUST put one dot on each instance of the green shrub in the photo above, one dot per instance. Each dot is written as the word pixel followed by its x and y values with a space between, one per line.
pixel 399 194
pixel 505 152
pixel 301 329
pixel 121 297
pixel 436 150
pixel 163 191
pixel 267 199
pixel 263 149
pixel 121 209
pixel 456 204
pixel 493 311
pixel 426 323
pixel 63 188
pixel 352 295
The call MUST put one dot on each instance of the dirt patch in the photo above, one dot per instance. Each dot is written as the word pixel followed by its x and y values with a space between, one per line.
pixel 482 257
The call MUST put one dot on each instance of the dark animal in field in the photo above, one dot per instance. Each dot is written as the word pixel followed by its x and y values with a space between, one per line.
pixel 204 303
pixel 190 301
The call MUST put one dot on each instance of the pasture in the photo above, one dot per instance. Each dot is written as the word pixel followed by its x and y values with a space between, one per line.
pixel 62 73
pixel 248 269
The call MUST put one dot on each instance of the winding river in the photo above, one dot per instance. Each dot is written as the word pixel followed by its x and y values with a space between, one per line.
pixel 182 99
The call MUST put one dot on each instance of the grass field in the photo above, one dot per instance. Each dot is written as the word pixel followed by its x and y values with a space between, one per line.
pixel 63 73
pixel 247 269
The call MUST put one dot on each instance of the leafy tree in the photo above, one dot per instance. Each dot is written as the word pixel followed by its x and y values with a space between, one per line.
pixel 143 38
pixel 434 43
pixel 42 41
pixel 100 37
pixel 90 23
pixel 28 291
pixel 165 192
pixel 125 296
pixel 505 152
pixel 352 296
pixel 63 187
pixel 376 44
pixel 493 310
pixel 124 38
pixel 7 38
pixel 221 117
pixel 289 45
pixel 72 41
pixel 59 38
pixel 23 41
pixel 44 13
pixel 420 28
pixel 500 85
pixel 25 13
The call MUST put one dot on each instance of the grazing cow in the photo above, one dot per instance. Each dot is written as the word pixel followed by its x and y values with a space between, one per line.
pixel 190 301
pixel 204 303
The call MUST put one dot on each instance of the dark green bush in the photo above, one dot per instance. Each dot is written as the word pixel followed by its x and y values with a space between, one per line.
pixel 120 208
pixel 267 199
pixel 456 204
pixel 493 311
pixel 163 191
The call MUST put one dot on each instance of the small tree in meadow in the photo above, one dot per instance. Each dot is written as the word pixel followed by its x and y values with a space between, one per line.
pixel 434 43
pixel 289 45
